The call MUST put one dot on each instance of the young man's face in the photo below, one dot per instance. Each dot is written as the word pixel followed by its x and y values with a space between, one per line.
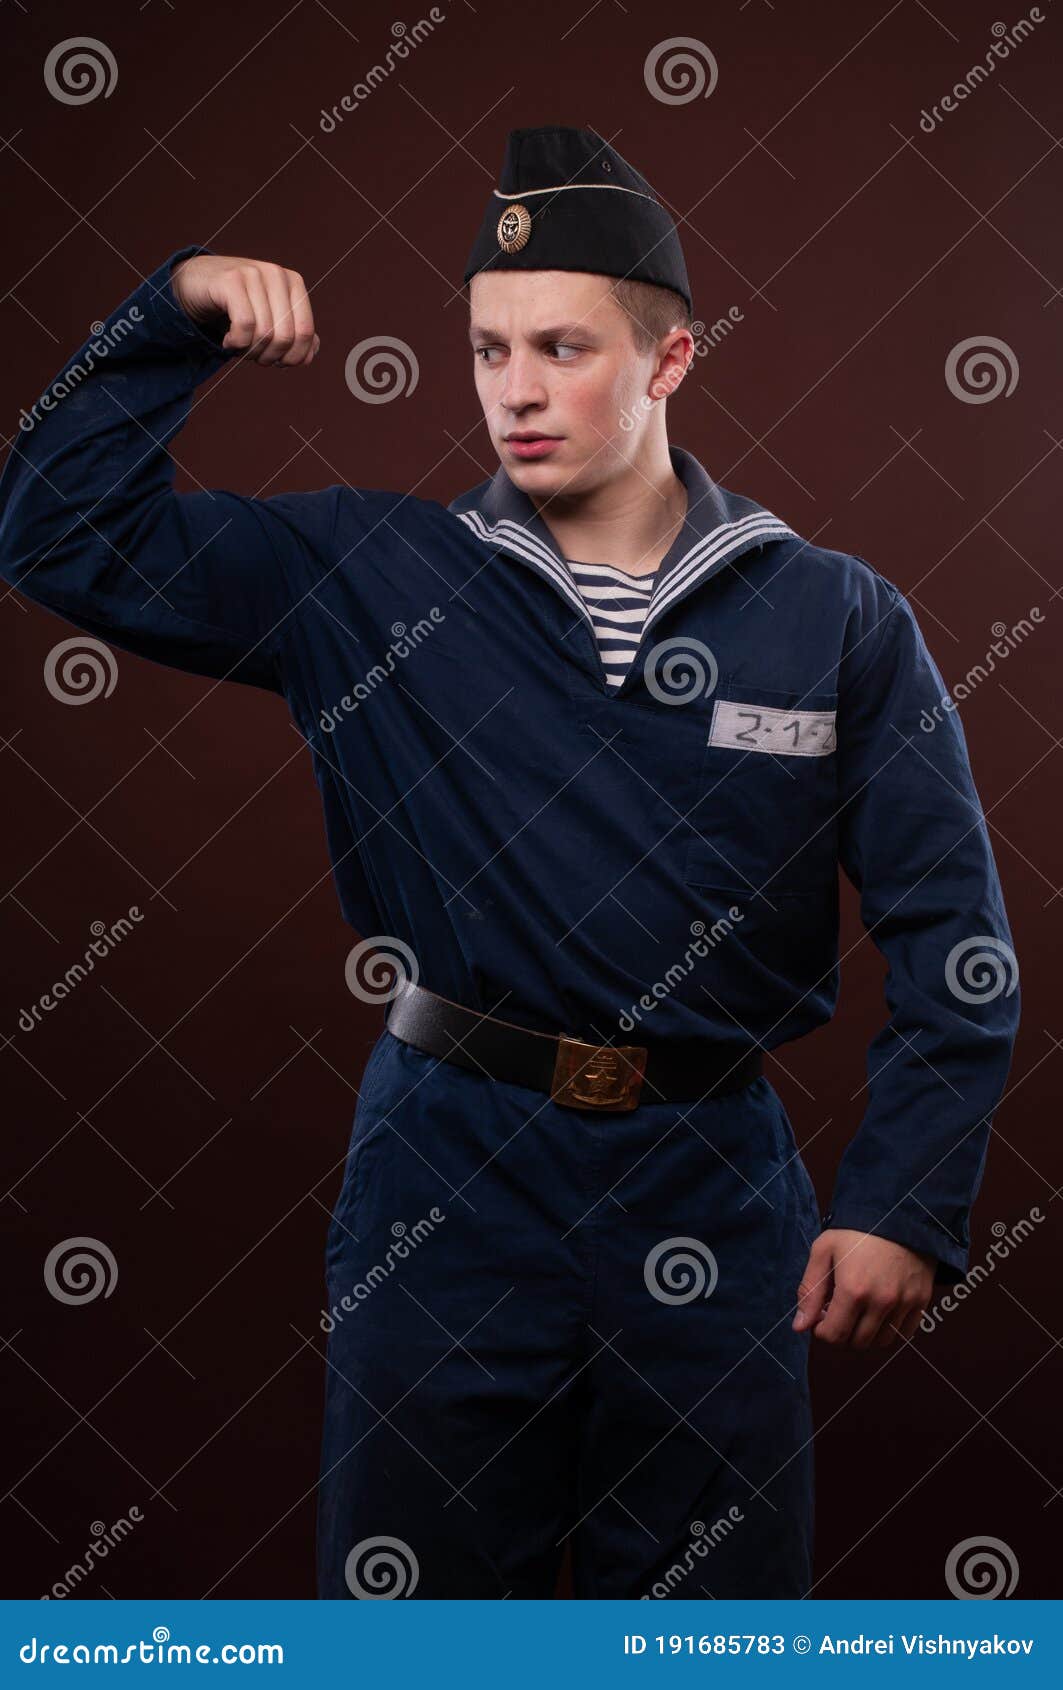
pixel 555 357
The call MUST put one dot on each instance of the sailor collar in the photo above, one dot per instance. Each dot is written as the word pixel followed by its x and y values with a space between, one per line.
pixel 718 527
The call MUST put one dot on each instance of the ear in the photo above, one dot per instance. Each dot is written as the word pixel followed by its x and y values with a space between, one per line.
pixel 674 354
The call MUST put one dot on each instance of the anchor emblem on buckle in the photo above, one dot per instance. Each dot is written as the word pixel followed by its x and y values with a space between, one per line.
pixel 590 1076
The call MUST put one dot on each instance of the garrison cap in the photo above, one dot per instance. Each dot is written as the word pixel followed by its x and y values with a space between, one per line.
pixel 567 200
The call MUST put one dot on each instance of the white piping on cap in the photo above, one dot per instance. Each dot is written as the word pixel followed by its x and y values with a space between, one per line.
pixel 565 187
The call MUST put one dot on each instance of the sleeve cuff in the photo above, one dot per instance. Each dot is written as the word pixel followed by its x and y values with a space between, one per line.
pixel 167 321
pixel 915 1231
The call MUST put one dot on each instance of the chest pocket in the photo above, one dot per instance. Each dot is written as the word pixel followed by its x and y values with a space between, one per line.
pixel 765 817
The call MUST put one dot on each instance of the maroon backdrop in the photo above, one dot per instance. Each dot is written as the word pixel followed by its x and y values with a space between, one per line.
pixel 190 1103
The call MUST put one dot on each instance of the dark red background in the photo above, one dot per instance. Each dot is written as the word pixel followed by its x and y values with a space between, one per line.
pixel 216 1054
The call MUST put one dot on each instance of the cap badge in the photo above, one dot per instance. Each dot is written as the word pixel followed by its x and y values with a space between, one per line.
pixel 514 227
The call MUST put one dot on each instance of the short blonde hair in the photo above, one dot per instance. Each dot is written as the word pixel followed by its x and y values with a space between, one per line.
pixel 653 311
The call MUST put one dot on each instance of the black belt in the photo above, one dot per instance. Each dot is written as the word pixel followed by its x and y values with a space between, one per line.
pixel 574 1072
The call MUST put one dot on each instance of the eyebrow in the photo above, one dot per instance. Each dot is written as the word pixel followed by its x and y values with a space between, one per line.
pixel 543 337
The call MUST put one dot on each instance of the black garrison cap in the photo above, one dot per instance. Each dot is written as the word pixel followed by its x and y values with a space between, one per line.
pixel 566 200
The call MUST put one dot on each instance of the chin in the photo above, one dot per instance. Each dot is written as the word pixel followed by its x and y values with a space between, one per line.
pixel 546 481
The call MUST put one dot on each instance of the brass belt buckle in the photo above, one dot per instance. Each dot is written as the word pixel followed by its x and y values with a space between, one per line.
pixel 590 1076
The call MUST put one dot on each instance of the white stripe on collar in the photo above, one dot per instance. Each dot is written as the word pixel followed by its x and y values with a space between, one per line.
pixel 761 525
pixel 518 539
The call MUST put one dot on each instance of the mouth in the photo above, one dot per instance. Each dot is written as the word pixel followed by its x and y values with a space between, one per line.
pixel 529 443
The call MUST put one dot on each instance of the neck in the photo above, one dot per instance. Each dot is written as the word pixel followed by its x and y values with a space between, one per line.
pixel 630 521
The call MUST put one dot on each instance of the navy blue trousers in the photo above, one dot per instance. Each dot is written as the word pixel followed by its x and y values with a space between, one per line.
pixel 545 1321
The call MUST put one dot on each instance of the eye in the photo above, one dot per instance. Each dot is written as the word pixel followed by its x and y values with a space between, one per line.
pixel 566 348
pixel 483 353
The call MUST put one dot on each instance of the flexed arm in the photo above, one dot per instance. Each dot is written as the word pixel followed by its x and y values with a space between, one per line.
pixel 90 524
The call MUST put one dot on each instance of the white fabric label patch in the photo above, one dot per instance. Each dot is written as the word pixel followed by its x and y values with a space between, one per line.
pixel 761 727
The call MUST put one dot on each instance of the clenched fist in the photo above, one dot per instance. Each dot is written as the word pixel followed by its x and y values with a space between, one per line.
pixel 267 306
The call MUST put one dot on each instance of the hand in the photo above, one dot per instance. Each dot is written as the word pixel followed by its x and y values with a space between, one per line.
pixel 873 1291
pixel 267 306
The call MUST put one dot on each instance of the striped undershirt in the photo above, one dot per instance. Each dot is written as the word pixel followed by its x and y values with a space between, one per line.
pixel 618 602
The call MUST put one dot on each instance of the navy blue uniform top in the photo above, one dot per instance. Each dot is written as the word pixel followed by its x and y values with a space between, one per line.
pixel 628 864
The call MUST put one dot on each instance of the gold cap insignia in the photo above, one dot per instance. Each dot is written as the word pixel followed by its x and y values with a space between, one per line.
pixel 514 227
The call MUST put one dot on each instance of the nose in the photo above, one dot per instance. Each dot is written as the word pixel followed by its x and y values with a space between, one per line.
pixel 523 387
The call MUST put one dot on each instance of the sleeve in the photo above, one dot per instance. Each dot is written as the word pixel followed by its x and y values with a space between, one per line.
pixel 914 842
pixel 90 525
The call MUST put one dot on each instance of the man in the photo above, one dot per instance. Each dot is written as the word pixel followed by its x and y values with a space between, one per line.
pixel 574 1222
